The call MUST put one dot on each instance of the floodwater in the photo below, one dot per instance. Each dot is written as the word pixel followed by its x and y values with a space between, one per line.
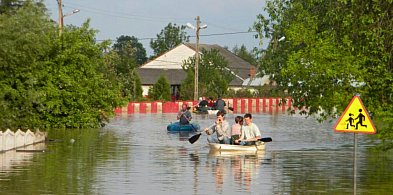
pixel 135 155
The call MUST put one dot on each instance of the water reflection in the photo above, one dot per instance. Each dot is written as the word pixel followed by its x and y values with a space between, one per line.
pixel 11 161
pixel 136 155
pixel 241 166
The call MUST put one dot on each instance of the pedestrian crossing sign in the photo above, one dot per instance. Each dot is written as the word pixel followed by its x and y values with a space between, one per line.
pixel 355 119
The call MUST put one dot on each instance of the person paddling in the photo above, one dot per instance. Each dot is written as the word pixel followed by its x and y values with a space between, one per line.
pixel 221 128
pixel 184 115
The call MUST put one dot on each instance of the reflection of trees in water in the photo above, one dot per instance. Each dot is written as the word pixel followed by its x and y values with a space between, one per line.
pixel 71 160
pixel 241 167
pixel 378 171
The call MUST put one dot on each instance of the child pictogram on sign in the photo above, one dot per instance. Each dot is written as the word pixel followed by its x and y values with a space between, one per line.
pixel 350 121
pixel 361 118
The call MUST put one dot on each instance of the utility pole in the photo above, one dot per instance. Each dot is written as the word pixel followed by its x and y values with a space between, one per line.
pixel 198 22
pixel 60 7
pixel 196 67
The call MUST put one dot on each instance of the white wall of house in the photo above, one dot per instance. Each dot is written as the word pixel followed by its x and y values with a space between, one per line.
pixel 172 59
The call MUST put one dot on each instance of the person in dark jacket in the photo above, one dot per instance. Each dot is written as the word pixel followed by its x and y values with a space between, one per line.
pixel 220 105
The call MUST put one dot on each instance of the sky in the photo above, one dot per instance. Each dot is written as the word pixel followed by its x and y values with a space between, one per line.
pixel 228 21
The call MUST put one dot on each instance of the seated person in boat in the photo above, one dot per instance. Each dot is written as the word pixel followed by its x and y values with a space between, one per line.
pixel 236 129
pixel 221 128
pixel 184 115
pixel 250 132
pixel 220 105
pixel 210 103
pixel 202 106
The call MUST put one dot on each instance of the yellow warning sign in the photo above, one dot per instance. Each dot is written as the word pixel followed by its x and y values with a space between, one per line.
pixel 355 119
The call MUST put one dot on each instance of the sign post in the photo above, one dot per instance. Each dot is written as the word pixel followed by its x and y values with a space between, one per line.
pixel 355 119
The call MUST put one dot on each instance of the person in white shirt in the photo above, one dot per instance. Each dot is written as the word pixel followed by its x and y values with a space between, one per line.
pixel 250 132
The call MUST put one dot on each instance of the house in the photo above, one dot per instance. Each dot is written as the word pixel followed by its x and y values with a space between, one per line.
pixel 170 65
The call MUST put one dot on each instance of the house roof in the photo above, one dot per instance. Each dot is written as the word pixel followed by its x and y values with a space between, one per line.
pixel 169 64
pixel 149 76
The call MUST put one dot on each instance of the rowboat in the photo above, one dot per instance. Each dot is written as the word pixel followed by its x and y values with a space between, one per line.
pixel 177 127
pixel 228 147
pixel 232 153
pixel 212 112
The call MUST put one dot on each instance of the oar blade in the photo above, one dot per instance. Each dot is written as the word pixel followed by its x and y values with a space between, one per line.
pixel 266 139
pixel 194 138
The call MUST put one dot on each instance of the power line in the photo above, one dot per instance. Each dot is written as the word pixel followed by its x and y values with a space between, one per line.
pixel 207 35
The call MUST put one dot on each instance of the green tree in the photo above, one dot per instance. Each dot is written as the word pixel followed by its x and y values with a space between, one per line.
pixel 25 38
pixel 130 47
pixel 161 90
pixel 128 52
pixel 50 80
pixel 330 48
pixel 245 55
pixel 170 37
pixel 10 6
pixel 187 85
pixel 214 75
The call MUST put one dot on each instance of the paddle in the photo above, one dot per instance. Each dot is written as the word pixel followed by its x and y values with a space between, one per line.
pixel 189 121
pixel 266 139
pixel 195 137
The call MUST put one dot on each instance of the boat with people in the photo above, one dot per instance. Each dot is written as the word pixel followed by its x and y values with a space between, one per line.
pixel 233 153
pixel 259 146
pixel 177 127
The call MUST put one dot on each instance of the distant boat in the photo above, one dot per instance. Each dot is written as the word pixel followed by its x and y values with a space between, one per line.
pixel 177 127
pixel 212 112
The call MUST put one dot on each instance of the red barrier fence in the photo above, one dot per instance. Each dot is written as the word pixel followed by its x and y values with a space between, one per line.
pixel 239 105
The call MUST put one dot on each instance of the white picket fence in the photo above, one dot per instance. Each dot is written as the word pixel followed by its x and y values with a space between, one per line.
pixel 10 140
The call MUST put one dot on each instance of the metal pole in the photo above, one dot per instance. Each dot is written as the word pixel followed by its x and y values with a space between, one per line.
pixel 60 7
pixel 196 59
pixel 355 148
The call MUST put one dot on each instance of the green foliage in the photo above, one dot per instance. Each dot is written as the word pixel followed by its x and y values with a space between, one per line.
pixel 161 90
pixel 245 55
pixel 130 48
pixel 170 37
pixel 187 86
pixel 214 75
pixel 123 60
pixel 9 6
pixel 50 80
pixel 329 48
pixel 24 45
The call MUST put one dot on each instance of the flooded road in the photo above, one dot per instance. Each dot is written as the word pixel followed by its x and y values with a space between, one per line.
pixel 135 155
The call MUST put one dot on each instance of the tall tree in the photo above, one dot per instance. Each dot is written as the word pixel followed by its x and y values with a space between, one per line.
pixel 214 77
pixel 49 80
pixel 170 37
pixel 130 54
pixel 332 50
pixel 248 56
pixel 130 47
pixel 9 6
